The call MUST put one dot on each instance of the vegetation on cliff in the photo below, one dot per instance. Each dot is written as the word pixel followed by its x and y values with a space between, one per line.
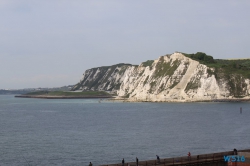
pixel 101 76
pixel 234 71
pixel 234 66
pixel 201 57
pixel 147 63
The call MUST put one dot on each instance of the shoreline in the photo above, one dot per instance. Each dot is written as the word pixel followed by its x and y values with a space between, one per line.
pixel 62 97
pixel 114 98
pixel 184 101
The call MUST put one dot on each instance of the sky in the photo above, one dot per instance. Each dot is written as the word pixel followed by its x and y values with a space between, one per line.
pixel 50 43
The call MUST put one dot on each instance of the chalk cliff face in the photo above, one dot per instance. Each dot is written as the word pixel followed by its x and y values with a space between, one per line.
pixel 107 78
pixel 170 78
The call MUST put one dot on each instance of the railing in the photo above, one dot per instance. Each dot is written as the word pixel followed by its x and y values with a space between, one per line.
pixel 185 160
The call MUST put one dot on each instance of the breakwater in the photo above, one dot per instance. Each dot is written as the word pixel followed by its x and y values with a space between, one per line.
pixel 212 159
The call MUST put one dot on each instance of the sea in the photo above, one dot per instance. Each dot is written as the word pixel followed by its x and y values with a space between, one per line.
pixel 67 132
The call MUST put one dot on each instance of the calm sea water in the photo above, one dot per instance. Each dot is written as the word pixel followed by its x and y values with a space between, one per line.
pixel 75 132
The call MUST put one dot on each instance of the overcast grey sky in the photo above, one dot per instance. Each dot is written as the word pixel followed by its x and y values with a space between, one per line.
pixel 50 43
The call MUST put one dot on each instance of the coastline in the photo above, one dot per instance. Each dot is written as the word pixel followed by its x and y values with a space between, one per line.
pixel 181 101
pixel 62 97
pixel 115 98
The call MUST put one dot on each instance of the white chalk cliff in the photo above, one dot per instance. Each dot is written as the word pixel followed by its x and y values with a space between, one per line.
pixel 174 77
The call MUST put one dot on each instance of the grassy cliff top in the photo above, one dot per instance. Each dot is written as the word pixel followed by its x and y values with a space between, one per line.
pixel 116 65
pixel 210 61
pixel 228 66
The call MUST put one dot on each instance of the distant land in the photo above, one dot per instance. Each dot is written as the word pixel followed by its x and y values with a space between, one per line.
pixel 28 90
pixel 177 77
pixel 65 95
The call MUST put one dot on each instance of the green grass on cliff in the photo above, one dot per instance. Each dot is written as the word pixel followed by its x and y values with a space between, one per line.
pixel 237 66
pixel 233 71
pixel 201 57
pixel 147 63
pixel 61 93
pixel 165 68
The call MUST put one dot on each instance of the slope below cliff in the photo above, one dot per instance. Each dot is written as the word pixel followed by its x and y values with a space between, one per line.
pixel 175 77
